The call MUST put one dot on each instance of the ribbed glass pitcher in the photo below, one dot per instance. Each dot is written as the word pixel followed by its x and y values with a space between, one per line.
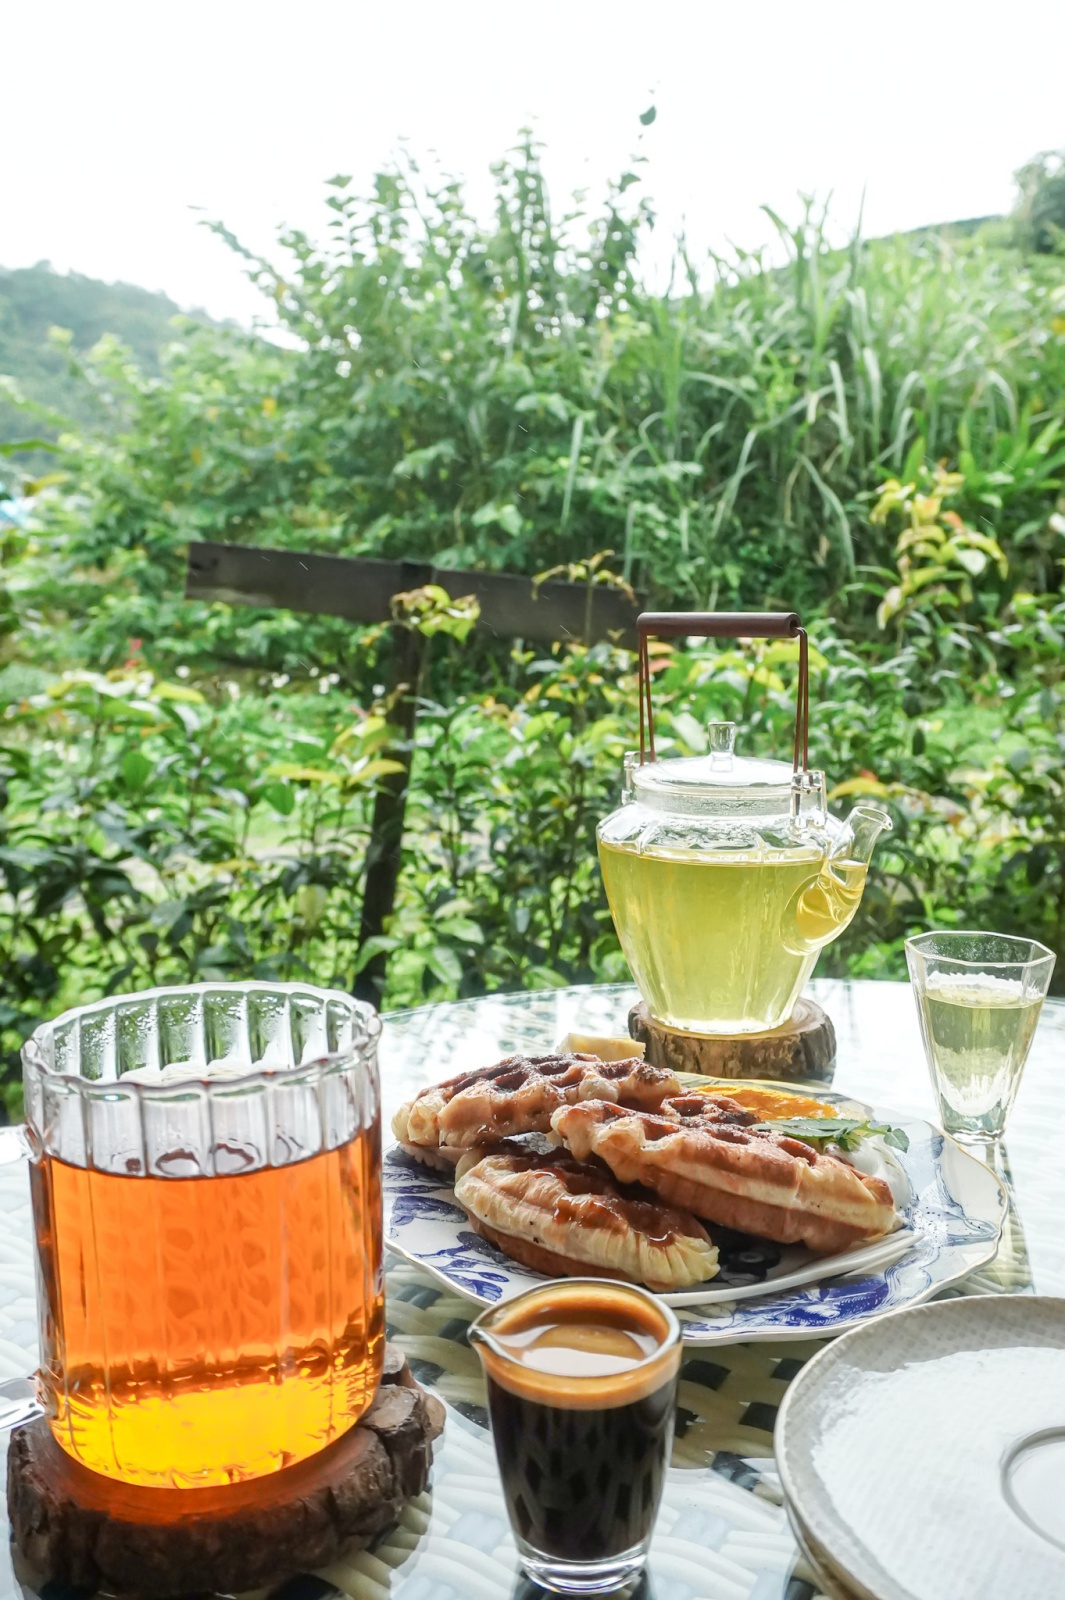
pixel 206 1180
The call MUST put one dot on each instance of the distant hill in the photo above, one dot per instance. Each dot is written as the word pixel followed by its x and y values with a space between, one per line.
pixel 35 299
pixel 960 228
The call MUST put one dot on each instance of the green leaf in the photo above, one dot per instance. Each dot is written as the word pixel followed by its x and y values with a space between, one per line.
pixel 181 713
pixel 691 730
pixel 847 1132
pixel 179 692
pixel 282 797
pixel 135 768
pixel 444 964
pixel 380 767
pixel 974 561
pixel 13 447
pixel 648 116
pixel 167 913
pixel 382 944
pixel 554 404
pixel 298 774
pixel 417 463
pixel 896 1138
pixel 507 516
pixel 462 929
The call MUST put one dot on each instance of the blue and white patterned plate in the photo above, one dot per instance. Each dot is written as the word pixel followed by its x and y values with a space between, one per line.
pixel 954 1220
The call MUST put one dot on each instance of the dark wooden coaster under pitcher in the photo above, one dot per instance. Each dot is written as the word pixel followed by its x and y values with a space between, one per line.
pixel 726 877
pixel 77 1527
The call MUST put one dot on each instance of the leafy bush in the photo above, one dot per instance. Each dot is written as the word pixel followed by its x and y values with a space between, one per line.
pixel 875 435
pixel 1041 210
pixel 515 397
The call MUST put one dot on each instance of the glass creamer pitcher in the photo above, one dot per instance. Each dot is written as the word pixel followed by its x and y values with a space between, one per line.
pixel 726 876
pixel 206 1183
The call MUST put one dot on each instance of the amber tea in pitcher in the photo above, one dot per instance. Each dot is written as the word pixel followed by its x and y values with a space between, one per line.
pixel 206 1195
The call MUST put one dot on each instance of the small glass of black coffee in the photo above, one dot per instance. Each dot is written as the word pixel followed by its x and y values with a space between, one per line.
pixel 582 1390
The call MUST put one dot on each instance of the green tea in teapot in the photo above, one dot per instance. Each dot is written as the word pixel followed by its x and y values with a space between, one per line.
pixel 727 873
pixel 723 941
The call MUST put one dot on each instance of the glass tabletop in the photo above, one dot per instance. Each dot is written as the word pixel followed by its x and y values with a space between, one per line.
pixel 723 1533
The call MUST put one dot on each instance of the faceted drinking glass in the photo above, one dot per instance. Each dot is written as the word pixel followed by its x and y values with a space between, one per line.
pixel 978 996
pixel 206 1182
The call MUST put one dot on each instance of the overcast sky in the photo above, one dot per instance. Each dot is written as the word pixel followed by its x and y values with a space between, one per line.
pixel 122 116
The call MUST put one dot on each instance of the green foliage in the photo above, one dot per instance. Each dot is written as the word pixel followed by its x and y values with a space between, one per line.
pixel 48 318
pixel 938 556
pixel 873 435
pixel 151 835
pixel 1041 208
pixel 514 396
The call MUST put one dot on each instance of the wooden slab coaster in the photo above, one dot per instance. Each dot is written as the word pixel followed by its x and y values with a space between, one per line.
pixel 804 1047
pixel 82 1529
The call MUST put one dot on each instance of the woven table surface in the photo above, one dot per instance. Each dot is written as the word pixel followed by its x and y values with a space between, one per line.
pixel 722 1533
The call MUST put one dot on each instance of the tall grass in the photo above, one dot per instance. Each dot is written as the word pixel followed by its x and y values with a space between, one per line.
pixel 512 397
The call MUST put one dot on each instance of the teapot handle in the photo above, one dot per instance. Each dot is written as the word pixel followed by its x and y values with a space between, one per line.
pixel 724 625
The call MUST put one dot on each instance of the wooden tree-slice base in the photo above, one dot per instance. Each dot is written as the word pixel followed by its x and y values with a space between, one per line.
pixel 804 1047
pixel 83 1529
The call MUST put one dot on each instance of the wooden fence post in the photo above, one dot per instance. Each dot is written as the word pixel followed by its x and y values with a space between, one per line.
pixel 384 853
pixel 362 590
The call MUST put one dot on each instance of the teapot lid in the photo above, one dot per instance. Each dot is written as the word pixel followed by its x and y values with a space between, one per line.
pixel 723 783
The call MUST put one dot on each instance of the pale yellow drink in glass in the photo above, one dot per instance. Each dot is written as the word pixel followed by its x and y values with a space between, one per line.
pixel 723 941
pixel 978 1001
pixel 977 1032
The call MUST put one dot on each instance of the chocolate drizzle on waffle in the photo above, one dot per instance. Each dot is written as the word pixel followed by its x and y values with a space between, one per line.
pixel 520 1094
pixel 560 1215
pixel 708 1158
pixel 590 1197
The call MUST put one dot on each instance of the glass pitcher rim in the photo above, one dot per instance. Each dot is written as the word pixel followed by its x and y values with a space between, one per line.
pixel 35 1060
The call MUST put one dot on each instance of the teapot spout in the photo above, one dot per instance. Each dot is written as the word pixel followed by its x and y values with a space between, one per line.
pixel 866 824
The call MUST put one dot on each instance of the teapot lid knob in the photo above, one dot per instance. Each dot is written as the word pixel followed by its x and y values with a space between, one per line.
pixel 722 736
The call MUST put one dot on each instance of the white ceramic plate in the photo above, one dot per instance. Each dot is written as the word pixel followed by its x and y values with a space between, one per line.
pixel 953 1221
pixel 831 1585
pixel 923 1457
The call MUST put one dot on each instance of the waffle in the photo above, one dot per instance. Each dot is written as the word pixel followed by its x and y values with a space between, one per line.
pixel 704 1159
pixel 446 1157
pixel 520 1094
pixel 566 1217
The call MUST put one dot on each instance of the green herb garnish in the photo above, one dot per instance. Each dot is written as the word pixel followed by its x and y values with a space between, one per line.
pixel 847 1132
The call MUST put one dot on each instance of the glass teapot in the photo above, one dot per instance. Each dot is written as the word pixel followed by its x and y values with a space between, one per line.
pixel 726 875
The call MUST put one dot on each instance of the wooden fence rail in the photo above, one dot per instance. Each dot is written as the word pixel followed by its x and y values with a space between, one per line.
pixel 362 590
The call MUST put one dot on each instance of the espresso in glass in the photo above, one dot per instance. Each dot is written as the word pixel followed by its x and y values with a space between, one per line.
pixel 582 1384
